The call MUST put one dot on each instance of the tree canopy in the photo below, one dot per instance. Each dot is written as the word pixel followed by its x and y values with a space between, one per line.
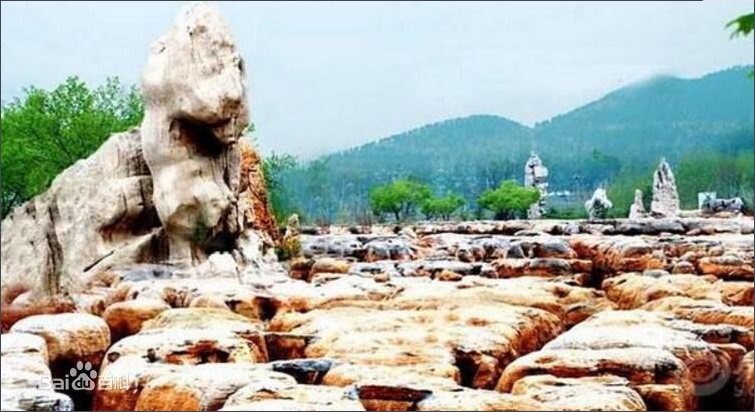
pixel 400 198
pixel 44 132
pixel 442 206
pixel 508 201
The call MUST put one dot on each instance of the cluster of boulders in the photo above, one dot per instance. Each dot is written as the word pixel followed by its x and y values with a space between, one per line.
pixel 169 297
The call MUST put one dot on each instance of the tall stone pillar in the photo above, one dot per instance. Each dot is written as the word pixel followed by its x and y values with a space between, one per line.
pixel 536 175
pixel 665 197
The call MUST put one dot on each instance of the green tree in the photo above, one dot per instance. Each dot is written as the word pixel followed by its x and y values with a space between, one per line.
pixel 400 198
pixel 443 207
pixel 274 167
pixel 510 200
pixel 44 132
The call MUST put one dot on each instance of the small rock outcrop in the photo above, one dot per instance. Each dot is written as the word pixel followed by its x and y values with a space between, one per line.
pixel 637 209
pixel 598 205
pixel 665 197
pixel 713 206
pixel 536 175
pixel 182 186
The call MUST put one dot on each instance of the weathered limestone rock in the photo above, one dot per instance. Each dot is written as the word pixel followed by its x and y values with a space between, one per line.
pixel 637 209
pixel 729 267
pixel 616 254
pixel 285 396
pixel 70 337
pixel 177 189
pixel 656 374
pixel 194 336
pixel 478 400
pixel 204 387
pixel 632 290
pixel 389 249
pixel 536 175
pixel 665 197
pixel 604 393
pixel 329 265
pixel 432 342
pixel 126 318
pixel 128 375
pixel 195 110
pixel 597 206
pixel 26 378
pixel 290 244
pixel 713 206
pixel 97 211
pixel 333 246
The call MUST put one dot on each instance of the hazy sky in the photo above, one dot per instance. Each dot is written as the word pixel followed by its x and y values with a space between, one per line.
pixel 325 76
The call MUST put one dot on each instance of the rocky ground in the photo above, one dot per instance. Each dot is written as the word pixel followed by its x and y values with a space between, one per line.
pixel 652 314
pixel 145 279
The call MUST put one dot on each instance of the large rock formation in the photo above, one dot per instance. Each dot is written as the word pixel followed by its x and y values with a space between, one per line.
pixel 536 175
pixel 665 197
pixel 195 97
pixel 597 206
pixel 174 191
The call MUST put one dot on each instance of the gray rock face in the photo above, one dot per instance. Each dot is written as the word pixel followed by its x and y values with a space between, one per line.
pixel 536 175
pixel 733 205
pixel 597 206
pixel 665 197
pixel 98 211
pixel 637 209
pixel 173 191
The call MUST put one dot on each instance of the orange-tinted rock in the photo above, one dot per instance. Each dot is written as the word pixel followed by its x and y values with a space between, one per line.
pixel 478 400
pixel 290 397
pixel 204 387
pixel 743 384
pixel 70 337
pixel 329 265
pixel 633 290
pixel 252 192
pixel 126 318
pixel 639 366
pixel 604 393
pixel 729 267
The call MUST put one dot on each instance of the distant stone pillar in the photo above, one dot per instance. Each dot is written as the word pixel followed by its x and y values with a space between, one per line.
pixel 598 205
pixel 637 210
pixel 536 175
pixel 665 197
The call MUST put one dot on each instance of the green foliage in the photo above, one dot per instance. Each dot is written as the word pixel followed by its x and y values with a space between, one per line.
pixel 443 207
pixel 289 248
pixel 274 167
pixel 510 200
pixel 727 175
pixel 566 213
pixel 44 132
pixel 400 198
pixel 742 26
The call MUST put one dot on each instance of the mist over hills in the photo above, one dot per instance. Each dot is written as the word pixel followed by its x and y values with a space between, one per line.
pixel 628 129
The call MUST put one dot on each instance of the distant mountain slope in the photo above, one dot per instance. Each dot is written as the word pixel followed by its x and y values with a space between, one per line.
pixel 630 127
pixel 665 116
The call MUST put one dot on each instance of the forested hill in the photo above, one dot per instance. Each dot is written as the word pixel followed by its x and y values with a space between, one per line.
pixel 665 116
pixel 627 130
